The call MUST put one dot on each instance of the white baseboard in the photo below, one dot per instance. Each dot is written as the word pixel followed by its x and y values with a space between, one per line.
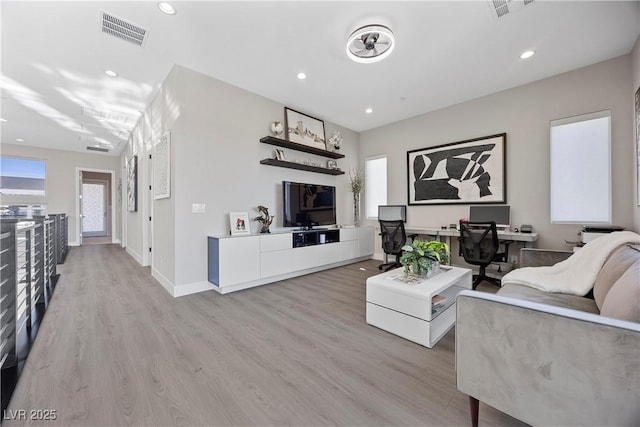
pixel 166 283
pixel 379 257
pixel 192 288
pixel 180 290
pixel 117 242
pixel 134 255
pixel 73 244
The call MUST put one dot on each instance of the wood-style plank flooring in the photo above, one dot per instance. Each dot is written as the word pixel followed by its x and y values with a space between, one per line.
pixel 115 349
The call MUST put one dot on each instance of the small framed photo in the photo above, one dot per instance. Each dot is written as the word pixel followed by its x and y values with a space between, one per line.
pixel 280 154
pixel 239 223
pixel 332 164
pixel 304 129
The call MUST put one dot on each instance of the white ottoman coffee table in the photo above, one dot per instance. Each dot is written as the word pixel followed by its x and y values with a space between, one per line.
pixel 404 306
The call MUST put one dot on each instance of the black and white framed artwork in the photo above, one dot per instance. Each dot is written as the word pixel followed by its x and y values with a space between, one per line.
pixel 162 167
pixel 132 184
pixel 464 172
pixel 304 129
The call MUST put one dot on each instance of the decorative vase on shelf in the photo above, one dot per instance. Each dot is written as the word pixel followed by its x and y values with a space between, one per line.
pixel 356 209
pixel 356 184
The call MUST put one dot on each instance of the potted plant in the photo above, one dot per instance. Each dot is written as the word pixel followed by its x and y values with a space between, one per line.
pixel 422 257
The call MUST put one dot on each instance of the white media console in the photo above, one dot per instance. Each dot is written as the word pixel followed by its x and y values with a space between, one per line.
pixel 242 262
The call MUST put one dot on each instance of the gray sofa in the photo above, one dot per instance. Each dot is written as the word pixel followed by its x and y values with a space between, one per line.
pixel 555 359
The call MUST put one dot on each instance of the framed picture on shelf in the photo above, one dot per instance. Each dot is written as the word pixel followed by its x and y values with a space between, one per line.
pixel 464 172
pixel 304 129
pixel 332 164
pixel 239 223
pixel 132 184
pixel 280 154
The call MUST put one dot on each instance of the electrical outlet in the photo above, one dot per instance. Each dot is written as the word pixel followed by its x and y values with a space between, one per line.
pixel 514 259
pixel 198 208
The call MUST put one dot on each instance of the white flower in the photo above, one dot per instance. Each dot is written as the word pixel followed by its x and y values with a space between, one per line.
pixel 335 140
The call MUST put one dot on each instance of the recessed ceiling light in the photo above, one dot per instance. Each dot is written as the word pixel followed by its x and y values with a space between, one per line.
pixel 20 140
pixel 2 120
pixel 302 76
pixel 111 73
pixel 369 110
pixel 166 8
pixel 527 54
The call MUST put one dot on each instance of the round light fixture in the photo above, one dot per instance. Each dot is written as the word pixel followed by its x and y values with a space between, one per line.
pixel 111 73
pixel 166 8
pixel 370 43
pixel 301 76
pixel 528 54
pixel 369 110
pixel 20 140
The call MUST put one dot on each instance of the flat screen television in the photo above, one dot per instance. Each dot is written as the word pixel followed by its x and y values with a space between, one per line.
pixel 308 205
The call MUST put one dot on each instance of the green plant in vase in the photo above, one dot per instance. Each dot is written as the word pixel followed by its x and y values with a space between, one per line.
pixel 421 256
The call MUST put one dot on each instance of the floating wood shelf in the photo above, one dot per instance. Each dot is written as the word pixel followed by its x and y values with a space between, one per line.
pixel 295 146
pixel 300 166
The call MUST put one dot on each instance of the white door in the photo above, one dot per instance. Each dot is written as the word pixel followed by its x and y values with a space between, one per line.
pixel 94 209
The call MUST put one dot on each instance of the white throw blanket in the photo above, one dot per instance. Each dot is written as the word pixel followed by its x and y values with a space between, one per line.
pixel 577 274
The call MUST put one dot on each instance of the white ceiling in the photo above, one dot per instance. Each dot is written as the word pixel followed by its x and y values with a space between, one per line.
pixel 53 57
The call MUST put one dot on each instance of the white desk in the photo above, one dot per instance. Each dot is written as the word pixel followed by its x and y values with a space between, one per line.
pixel 449 232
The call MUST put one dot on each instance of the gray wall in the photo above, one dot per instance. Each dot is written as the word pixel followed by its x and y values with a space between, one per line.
pixel 524 114
pixel 61 180
pixel 159 117
pixel 216 153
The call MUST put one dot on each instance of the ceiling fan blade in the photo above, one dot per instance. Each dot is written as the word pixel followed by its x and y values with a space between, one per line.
pixel 362 52
pixel 383 42
pixel 358 44
pixel 375 52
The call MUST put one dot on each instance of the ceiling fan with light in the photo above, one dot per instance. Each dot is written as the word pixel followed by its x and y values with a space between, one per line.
pixel 370 43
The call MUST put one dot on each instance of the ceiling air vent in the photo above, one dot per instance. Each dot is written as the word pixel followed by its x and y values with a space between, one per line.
pixel 500 8
pixel 102 150
pixel 118 27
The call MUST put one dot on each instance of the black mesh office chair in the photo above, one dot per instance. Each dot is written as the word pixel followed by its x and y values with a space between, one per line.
pixel 394 238
pixel 479 245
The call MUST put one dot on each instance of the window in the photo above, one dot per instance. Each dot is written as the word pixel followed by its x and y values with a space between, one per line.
pixel 581 169
pixel 375 184
pixel 22 177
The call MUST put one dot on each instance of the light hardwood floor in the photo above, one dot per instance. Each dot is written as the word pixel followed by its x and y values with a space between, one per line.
pixel 116 349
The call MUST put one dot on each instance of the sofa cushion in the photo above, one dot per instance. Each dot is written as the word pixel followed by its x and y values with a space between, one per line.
pixel 623 299
pixel 614 267
pixel 574 302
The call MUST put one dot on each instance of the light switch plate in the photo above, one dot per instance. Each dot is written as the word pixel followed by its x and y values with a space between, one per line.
pixel 198 208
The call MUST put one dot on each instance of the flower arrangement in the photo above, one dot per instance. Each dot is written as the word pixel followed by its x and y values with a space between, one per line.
pixel 356 180
pixel 421 256
pixel 335 140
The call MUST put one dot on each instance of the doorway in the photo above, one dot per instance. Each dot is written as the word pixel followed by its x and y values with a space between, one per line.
pixel 95 207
